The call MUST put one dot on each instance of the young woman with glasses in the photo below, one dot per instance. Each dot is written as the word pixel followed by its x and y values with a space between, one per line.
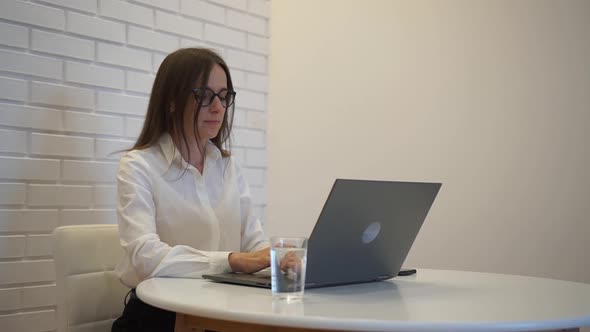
pixel 184 207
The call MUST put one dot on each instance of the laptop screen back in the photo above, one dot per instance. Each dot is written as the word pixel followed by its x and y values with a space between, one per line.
pixel 366 230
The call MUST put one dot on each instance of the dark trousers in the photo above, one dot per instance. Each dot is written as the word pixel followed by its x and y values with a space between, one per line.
pixel 139 316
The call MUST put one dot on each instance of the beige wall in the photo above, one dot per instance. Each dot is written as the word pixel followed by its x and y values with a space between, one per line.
pixel 492 98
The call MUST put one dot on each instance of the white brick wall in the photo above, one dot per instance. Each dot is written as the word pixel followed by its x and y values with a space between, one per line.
pixel 258 44
pixel 30 117
pixel 60 95
pixel 62 145
pixel 14 35
pixel 226 36
pixel 26 220
pixel 133 127
pixel 111 149
pixel 177 24
pixel 13 89
pixel 59 195
pixel 33 14
pixel 75 79
pixel 238 4
pixel 38 245
pixel 119 103
pixel 13 141
pixel 10 299
pixel 29 64
pixel 123 56
pixel 246 61
pixel 61 44
pixel 248 138
pixel 105 195
pixel 139 82
pixel 94 171
pixel 29 321
pixel 87 6
pixel 127 12
pixel 244 21
pixel 26 271
pixel 12 246
pixel 204 10
pixel 94 27
pixel 239 79
pixel 152 40
pixel 95 75
pixel 171 5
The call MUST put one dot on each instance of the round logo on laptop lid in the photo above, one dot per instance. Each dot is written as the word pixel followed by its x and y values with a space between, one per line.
pixel 371 232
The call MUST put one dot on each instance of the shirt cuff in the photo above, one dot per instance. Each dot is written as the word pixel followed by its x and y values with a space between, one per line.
pixel 220 261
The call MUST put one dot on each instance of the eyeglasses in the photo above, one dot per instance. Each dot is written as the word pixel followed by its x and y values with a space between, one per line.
pixel 204 96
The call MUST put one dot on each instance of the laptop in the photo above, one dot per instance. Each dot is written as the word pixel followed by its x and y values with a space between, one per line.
pixel 363 234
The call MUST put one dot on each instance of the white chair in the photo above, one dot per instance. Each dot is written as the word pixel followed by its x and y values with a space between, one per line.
pixel 89 295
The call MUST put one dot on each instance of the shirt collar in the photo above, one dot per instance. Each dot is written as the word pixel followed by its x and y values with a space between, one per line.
pixel 172 153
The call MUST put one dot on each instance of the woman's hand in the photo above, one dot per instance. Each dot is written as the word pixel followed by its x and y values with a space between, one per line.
pixel 291 264
pixel 249 262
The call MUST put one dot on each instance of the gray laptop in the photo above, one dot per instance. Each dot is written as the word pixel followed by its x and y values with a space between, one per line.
pixel 363 234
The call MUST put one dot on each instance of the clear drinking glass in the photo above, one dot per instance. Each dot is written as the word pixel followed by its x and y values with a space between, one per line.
pixel 288 307
pixel 288 262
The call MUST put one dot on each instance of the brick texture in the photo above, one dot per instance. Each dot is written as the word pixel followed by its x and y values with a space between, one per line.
pixel 75 81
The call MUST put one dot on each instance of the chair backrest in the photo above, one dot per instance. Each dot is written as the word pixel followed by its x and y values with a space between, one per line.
pixel 89 294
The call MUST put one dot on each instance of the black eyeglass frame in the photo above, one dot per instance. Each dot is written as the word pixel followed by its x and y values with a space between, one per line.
pixel 221 100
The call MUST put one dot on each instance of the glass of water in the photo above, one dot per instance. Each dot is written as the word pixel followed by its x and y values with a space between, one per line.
pixel 288 262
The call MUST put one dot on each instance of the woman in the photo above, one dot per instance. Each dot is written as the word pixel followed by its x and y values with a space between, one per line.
pixel 184 207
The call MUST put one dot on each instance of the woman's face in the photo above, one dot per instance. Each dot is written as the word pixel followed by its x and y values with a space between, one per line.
pixel 211 116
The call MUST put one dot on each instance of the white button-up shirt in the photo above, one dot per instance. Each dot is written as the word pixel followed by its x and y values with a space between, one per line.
pixel 177 223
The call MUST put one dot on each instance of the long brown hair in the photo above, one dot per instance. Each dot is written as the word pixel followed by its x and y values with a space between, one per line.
pixel 172 87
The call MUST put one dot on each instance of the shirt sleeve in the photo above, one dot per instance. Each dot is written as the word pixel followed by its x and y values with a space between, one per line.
pixel 145 253
pixel 252 234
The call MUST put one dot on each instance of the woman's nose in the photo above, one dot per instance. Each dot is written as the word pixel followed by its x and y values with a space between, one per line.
pixel 216 104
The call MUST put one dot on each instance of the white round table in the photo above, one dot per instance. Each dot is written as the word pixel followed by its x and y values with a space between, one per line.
pixel 431 300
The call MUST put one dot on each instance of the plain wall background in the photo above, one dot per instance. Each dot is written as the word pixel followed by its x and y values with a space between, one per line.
pixel 492 98
pixel 75 77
